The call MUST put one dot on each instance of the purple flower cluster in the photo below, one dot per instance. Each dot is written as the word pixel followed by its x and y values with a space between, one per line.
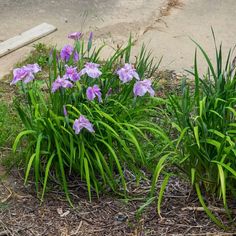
pixel 61 83
pixel 25 73
pixel 81 123
pixel 67 51
pixel 127 73
pixel 91 69
pixel 93 92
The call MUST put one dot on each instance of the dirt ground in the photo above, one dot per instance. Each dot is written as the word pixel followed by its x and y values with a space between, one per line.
pixel 21 213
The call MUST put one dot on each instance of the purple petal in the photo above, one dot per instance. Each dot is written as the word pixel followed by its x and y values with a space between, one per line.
pixel 33 68
pixel 61 83
pixel 66 84
pixel 81 123
pixel 55 86
pixel 66 52
pixel 127 73
pixel 93 73
pixel 25 73
pixel 142 87
pixel 151 92
pixel 28 78
pixel 91 36
pixel 65 111
pixel 76 57
pixel 76 126
pixel 83 71
pixel 90 94
pixel 139 90
pixel 18 74
pixel 91 69
pixel 136 76
pixel 93 92
pixel 75 35
pixel 71 73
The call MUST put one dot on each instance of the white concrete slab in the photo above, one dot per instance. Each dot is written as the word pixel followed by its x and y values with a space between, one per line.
pixel 25 38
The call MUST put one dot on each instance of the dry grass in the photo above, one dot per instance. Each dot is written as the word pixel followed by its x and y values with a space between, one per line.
pixel 169 6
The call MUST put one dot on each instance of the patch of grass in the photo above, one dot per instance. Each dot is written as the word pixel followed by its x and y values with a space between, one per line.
pixel 3 206
pixel 10 125
pixel 39 54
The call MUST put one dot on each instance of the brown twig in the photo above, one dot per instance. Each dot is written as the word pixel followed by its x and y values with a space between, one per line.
pixel 78 229
pixel 8 196
pixel 4 233
pixel 211 208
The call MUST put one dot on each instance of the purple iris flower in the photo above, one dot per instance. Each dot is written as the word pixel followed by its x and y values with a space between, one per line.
pixel 66 53
pixel 76 56
pixel 90 36
pixel 75 35
pixel 81 123
pixel 109 92
pixel 91 69
pixel 19 74
pixel 71 73
pixel 90 41
pixel 25 73
pixel 142 87
pixel 61 83
pixel 34 68
pixel 65 111
pixel 93 92
pixel 127 73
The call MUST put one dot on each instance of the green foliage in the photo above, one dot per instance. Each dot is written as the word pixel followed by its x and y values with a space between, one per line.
pixel 9 124
pixel 39 54
pixel 124 125
pixel 204 127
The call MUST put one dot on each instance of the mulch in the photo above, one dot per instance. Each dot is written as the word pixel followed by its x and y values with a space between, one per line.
pixel 22 213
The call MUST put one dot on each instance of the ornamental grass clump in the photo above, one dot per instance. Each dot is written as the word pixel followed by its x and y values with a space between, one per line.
pixel 91 120
pixel 204 124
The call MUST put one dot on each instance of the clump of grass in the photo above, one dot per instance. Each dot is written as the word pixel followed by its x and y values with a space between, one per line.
pixel 204 123
pixel 39 54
